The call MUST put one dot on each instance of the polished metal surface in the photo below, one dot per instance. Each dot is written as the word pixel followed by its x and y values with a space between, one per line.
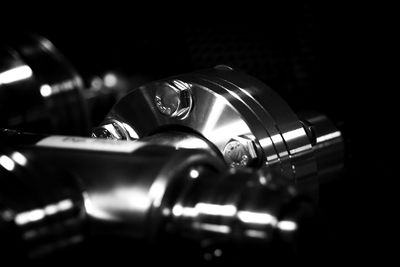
pixel 130 199
pixel 124 191
pixel 327 142
pixel 210 166
pixel 39 89
pixel 150 191
pixel 182 139
pixel 243 118
pixel 241 206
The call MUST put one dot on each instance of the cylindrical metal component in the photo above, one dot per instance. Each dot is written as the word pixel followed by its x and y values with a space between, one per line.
pixel 327 143
pixel 39 89
pixel 182 139
pixel 243 118
pixel 123 185
pixel 150 191
pixel 240 205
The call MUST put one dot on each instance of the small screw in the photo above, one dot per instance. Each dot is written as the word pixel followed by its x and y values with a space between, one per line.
pixel 240 151
pixel 174 99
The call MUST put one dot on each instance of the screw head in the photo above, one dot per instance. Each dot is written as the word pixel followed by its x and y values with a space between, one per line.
pixel 101 132
pixel 240 151
pixel 111 130
pixel 174 99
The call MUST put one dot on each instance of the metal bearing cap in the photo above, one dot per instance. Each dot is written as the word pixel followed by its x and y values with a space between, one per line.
pixel 248 123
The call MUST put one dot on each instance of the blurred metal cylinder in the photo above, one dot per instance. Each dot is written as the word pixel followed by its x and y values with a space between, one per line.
pixel 39 89
pixel 41 208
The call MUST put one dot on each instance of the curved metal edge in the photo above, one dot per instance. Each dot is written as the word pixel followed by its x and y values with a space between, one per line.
pixel 288 124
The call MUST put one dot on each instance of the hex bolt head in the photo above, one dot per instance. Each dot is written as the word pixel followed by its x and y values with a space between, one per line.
pixel 102 132
pixel 240 151
pixel 111 130
pixel 174 99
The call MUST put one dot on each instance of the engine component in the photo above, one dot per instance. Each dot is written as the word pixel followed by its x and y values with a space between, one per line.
pixel 39 89
pixel 245 120
pixel 139 190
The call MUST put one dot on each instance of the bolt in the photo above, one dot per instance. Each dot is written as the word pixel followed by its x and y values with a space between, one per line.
pixel 101 132
pixel 240 151
pixel 111 130
pixel 174 99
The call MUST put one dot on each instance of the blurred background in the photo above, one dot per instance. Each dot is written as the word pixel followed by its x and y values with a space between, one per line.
pixel 318 57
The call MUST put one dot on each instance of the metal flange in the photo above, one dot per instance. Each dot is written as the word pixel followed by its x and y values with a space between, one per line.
pixel 242 118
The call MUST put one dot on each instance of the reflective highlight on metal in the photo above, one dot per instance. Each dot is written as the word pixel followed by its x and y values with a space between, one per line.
pixel 150 193
pixel 234 207
pixel 41 208
pixel 243 118
pixel 174 99
pixel 240 151
pixel 328 144
pixel 15 74
pixel 114 130
pixel 39 89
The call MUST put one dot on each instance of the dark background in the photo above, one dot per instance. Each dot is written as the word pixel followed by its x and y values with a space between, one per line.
pixel 316 56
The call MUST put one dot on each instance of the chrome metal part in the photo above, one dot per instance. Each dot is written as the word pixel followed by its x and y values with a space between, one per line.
pixel 145 193
pixel 241 206
pixel 242 117
pixel 113 130
pixel 327 142
pixel 174 99
pixel 240 151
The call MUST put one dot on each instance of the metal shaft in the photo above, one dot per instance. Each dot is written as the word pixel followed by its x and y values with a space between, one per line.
pixel 144 191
